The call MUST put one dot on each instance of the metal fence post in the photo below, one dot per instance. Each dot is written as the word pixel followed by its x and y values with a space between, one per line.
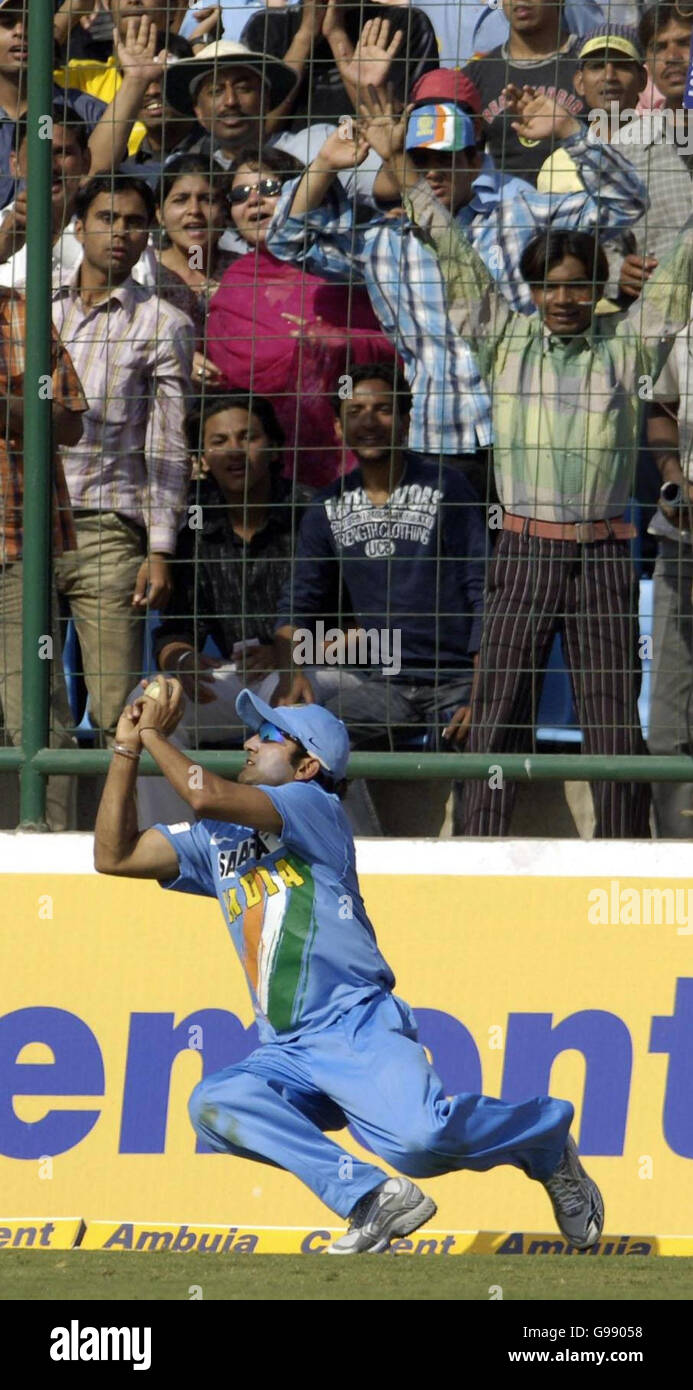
pixel 37 655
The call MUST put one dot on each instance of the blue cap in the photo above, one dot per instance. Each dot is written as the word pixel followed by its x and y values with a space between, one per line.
pixel 321 733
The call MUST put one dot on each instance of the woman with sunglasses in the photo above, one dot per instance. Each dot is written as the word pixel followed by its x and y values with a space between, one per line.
pixel 275 329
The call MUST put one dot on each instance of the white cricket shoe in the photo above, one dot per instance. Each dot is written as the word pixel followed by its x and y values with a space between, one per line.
pixel 396 1208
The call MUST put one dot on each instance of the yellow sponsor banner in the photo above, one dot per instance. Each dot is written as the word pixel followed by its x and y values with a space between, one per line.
pixel 40 1232
pixel 566 968
pixel 261 1240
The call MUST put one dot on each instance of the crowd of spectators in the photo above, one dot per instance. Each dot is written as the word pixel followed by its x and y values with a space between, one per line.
pixel 371 375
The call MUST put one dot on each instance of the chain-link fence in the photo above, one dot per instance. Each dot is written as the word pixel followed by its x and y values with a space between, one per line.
pixel 346 354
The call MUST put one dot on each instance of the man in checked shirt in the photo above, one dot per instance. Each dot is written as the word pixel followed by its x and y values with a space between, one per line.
pixel 128 475
pixel 68 410
pixel 566 418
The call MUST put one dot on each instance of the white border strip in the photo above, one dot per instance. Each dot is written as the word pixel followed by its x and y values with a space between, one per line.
pixel 528 858
pixel 27 853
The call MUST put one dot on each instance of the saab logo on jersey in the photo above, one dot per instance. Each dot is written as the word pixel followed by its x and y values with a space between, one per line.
pixel 256 846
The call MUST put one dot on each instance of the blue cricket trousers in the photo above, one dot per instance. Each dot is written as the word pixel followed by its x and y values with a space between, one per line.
pixel 368 1069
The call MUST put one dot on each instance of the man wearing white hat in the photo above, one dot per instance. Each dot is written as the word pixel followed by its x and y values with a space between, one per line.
pixel 232 91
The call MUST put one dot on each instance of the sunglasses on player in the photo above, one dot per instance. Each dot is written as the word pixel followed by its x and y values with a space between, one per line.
pixel 269 733
pixel 266 188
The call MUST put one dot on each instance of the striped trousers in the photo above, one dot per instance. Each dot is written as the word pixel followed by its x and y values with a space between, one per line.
pixel 536 588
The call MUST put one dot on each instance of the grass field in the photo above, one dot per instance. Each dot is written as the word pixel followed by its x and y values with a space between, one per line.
pixel 141 1277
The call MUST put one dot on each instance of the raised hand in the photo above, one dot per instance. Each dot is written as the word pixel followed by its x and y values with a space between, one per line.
pixel 312 17
pixel 333 27
pixel 515 98
pixel 381 125
pixel 538 117
pixel 369 64
pixel 345 148
pixel 207 22
pixel 136 54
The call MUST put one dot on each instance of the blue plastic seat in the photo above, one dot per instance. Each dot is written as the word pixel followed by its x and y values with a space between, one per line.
pixel 556 715
pixel 646 613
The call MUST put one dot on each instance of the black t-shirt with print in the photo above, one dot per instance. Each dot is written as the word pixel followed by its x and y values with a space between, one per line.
pixel 551 75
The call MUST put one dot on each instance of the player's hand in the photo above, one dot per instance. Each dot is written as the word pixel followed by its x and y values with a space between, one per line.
pixel 457 730
pixel 153 586
pixel 126 729
pixel 635 273
pixel 163 711
pixel 298 692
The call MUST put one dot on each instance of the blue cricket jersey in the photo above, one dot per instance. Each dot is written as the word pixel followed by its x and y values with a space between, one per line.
pixel 292 905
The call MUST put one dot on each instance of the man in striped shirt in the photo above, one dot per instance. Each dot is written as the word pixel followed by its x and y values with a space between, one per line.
pixel 128 475
pixel 567 391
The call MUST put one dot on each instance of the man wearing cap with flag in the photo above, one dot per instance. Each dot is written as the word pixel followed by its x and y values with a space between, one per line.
pixel 337 1047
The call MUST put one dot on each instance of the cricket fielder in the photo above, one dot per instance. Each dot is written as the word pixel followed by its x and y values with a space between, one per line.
pixel 337 1047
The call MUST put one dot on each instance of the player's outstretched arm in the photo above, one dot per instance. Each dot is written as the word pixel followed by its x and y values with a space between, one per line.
pixel 119 848
pixel 206 793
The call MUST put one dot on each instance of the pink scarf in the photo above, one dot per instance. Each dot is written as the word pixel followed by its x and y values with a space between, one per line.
pixel 251 343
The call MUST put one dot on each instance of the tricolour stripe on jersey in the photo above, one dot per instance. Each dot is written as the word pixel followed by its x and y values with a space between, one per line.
pixel 253 918
pixel 287 954
pixel 272 927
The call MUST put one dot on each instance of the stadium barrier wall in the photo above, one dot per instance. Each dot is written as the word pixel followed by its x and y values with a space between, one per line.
pixel 532 966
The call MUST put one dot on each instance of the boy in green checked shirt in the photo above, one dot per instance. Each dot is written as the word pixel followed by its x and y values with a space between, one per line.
pixel 567 400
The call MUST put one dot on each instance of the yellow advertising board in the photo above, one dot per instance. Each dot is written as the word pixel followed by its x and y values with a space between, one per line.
pixel 532 967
